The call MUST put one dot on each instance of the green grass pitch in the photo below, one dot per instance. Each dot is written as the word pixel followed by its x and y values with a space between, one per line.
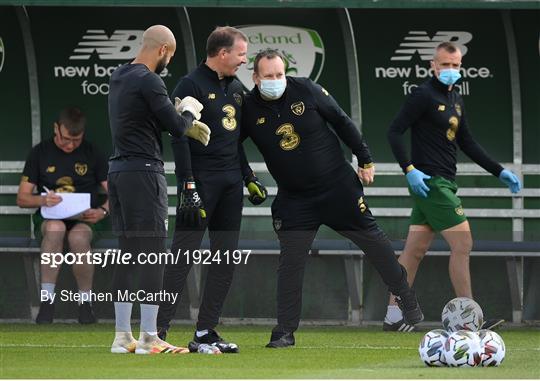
pixel 74 351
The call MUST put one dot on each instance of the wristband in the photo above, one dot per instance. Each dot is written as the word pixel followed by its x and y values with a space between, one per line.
pixel 409 168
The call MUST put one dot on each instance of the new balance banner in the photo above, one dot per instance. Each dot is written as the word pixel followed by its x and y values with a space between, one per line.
pixel 394 53
pixel 76 58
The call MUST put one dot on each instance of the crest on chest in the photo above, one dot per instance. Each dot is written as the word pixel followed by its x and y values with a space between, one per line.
pixel 81 169
pixel 238 98
pixel 298 108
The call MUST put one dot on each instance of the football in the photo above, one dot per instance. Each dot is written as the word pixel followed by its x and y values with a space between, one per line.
pixel 462 314
pixel 432 346
pixel 493 349
pixel 463 349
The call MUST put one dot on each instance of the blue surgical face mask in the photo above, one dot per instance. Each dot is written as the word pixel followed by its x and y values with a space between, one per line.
pixel 449 76
pixel 272 88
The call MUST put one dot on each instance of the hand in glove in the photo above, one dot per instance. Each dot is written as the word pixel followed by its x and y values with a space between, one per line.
pixel 188 104
pixel 191 208
pixel 199 131
pixel 510 180
pixel 257 191
pixel 416 179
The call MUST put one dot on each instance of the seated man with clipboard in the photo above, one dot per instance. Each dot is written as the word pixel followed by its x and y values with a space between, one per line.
pixel 65 164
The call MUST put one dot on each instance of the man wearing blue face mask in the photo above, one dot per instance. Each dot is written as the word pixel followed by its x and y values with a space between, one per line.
pixel 288 120
pixel 435 113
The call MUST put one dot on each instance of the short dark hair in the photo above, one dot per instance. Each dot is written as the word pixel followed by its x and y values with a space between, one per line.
pixel 73 119
pixel 223 37
pixel 448 46
pixel 267 53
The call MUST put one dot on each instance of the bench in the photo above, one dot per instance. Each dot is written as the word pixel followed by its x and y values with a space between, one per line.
pixel 514 252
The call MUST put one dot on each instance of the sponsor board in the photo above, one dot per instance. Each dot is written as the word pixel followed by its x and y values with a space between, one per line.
pixel 411 60
pixel 97 55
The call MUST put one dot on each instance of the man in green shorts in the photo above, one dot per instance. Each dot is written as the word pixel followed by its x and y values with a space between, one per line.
pixel 435 113
pixel 63 164
pixel 442 209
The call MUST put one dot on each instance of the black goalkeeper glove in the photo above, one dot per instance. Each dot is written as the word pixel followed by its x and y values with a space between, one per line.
pixel 257 191
pixel 191 209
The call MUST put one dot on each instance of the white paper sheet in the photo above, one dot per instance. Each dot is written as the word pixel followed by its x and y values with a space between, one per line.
pixel 71 205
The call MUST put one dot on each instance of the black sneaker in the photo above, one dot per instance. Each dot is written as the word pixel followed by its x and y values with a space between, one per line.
pixel 46 313
pixel 162 333
pixel 212 338
pixel 86 314
pixel 400 326
pixel 281 340
pixel 492 324
pixel 408 304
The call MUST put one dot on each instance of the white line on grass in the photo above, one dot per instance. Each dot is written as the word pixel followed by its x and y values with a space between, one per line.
pixel 384 347
pixel 352 347
pixel 29 345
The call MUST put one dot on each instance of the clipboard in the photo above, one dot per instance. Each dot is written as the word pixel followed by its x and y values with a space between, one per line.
pixel 71 206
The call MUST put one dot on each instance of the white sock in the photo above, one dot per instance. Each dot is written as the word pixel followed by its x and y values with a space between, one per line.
pixel 122 315
pixel 49 289
pixel 123 336
pixel 149 319
pixel 201 333
pixel 84 296
pixel 393 314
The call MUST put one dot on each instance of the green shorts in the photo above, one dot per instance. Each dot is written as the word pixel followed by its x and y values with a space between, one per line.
pixel 38 219
pixel 441 209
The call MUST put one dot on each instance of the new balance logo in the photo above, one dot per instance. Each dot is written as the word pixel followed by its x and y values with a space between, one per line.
pixel 420 42
pixel 122 45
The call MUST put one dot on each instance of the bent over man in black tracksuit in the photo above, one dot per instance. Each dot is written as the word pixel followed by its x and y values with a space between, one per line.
pixel 286 119
pixel 210 184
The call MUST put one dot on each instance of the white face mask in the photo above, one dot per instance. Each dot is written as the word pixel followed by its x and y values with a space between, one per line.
pixel 272 88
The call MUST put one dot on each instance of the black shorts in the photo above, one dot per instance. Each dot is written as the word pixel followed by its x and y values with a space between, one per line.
pixel 343 207
pixel 138 202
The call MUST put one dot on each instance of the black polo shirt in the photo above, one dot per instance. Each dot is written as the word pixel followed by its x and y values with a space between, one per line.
pixel 438 123
pixel 80 171
pixel 222 101
pixel 139 111
pixel 302 153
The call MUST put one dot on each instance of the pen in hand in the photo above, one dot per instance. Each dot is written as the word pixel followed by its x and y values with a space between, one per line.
pixel 51 198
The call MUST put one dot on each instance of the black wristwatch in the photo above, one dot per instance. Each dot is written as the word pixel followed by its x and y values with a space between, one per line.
pixel 105 211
